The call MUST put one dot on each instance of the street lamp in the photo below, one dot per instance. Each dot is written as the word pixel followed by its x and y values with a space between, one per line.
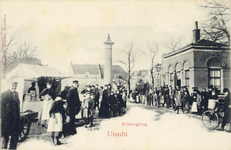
pixel 158 69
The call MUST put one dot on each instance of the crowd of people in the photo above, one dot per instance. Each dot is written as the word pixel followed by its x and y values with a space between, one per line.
pixel 58 111
pixel 180 98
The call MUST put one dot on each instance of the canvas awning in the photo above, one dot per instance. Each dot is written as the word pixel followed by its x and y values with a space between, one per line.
pixel 30 73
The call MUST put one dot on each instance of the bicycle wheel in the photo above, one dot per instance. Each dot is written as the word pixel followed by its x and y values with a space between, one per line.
pixel 210 120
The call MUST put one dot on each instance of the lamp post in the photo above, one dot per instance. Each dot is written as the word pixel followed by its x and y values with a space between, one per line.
pixel 158 69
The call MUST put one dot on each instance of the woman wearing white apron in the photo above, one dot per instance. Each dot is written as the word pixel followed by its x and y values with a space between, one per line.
pixel 47 95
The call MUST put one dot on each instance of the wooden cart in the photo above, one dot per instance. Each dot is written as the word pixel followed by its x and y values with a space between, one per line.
pixel 25 122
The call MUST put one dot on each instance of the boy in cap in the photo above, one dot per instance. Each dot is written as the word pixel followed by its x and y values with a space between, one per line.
pixel 88 109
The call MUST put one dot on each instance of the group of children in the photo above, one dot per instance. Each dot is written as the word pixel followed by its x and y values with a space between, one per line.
pixel 56 115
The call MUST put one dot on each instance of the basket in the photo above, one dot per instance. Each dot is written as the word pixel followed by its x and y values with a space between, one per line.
pixel 212 103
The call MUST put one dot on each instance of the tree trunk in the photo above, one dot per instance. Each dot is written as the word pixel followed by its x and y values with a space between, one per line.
pixel 152 79
pixel 129 88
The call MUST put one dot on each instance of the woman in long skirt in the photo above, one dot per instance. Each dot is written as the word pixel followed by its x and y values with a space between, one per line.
pixel 104 107
pixel 47 95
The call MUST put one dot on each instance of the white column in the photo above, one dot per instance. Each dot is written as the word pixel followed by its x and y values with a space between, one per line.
pixel 182 77
pixel 174 79
pixel 108 61
pixel 222 79
pixel 167 79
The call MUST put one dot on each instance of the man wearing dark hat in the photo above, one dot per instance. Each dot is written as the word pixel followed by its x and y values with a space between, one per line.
pixel 204 96
pixel 10 116
pixel 32 91
pixel 210 87
pixel 73 103
pixel 226 108
pixel 166 96
pixel 48 90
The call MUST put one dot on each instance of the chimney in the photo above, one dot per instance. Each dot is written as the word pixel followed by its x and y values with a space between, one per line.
pixel 196 33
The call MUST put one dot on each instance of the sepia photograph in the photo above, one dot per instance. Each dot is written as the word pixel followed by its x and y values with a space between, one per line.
pixel 115 75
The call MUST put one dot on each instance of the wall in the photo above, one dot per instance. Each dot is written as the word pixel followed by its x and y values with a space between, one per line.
pixel 198 72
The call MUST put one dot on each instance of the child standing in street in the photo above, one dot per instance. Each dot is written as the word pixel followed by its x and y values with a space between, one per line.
pixel 88 109
pixel 56 120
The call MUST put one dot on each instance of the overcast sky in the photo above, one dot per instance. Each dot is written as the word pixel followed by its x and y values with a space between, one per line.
pixel 66 31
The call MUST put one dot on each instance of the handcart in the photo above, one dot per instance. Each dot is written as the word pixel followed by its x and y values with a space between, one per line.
pixel 26 118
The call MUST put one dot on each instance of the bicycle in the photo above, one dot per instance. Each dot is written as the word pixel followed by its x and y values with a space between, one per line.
pixel 212 118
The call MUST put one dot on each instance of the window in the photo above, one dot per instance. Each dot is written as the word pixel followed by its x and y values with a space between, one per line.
pixel 87 74
pixel 215 78
pixel 178 75
pixel 171 79
pixel 187 78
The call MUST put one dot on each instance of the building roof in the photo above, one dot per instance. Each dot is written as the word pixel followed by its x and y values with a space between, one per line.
pixel 97 69
pixel 82 69
pixel 200 44
pixel 116 70
pixel 204 42
pixel 140 72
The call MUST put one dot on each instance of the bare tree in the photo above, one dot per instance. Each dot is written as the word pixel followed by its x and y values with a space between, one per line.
pixel 217 26
pixel 130 57
pixel 25 50
pixel 12 50
pixel 7 44
pixel 174 43
pixel 153 49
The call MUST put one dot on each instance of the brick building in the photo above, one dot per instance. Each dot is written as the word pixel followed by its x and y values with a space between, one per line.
pixel 198 64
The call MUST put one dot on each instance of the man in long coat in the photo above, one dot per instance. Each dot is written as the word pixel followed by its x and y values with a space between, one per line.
pixel 178 100
pixel 104 107
pixel 73 103
pixel 10 106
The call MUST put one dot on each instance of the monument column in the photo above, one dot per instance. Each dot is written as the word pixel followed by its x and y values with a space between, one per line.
pixel 108 61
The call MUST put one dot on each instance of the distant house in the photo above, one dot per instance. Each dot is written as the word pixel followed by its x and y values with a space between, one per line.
pixel 145 75
pixel 94 73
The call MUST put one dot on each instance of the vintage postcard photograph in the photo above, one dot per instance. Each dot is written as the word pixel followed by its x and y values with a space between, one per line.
pixel 115 75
